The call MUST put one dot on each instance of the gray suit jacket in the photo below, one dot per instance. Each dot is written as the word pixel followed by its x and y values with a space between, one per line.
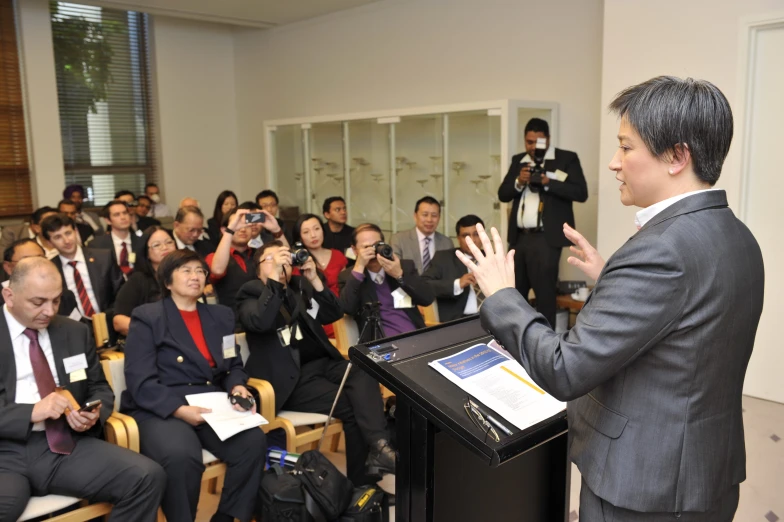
pixel 406 245
pixel 13 232
pixel 654 366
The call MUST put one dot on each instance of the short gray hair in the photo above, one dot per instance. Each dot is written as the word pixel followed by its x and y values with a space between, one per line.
pixel 667 111
pixel 25 267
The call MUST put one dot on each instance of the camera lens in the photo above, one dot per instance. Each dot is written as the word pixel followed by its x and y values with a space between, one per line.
pixel 299 255
pixel 384 250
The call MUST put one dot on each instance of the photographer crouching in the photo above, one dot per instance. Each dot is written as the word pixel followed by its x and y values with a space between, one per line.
pixel 283 316
pixel 542 183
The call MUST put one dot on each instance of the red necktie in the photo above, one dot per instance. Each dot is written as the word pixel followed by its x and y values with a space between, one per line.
pixel 57 434
pixel 87 306
pixel 124 266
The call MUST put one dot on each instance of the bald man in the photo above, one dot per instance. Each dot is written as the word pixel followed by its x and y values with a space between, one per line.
pixel 43 448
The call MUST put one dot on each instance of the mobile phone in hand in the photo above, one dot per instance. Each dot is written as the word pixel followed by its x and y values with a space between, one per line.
pixel 255 217
pixel 90 406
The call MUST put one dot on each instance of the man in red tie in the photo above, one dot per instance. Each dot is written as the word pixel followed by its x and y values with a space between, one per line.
pixel 120 240
pixel 46 447
pixel 90 273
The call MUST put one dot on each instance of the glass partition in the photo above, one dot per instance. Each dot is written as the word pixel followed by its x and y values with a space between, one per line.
pixel 326 169
pixel 288 164
pixel 369 188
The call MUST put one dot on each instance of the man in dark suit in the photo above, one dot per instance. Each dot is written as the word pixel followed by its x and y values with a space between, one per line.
pixel 540 207
pixel 454 286
pixel 70 209
pixel 187 230
pixel 45 446
pixel 283 316
pixel 90 273
pixel 394 284
pixel 121 240
pixel 654 366
pixel 22 249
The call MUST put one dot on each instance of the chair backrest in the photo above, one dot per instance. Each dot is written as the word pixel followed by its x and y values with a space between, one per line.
pixel 101 330
pixel 114 370
pixel 346 334
pixel 242 340
pixel 430 314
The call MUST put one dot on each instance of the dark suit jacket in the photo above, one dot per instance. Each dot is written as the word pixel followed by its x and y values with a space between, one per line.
pixel 163 364
pixel 354 294
pixel 654 366
pixel 86 232
pixel 258 308
pixel 145 222
pixel 105 277
pixel 68 338
pixel 557 198
pixel 105 242
pixel 67 302
pixel 440 277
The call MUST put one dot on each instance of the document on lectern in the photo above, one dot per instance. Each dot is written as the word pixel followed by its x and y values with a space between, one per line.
pixel 224 420
pixel 501 383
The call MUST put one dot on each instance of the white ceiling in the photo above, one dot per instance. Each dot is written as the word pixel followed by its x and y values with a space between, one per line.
pixel 254 13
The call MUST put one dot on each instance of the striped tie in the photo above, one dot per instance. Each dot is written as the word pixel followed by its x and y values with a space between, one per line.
pixel 57 434
pixel 124 266
pixel 426 255
pixel 87 306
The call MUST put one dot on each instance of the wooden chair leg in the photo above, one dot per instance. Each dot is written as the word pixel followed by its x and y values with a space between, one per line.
pixel 212 486
pixel 335 442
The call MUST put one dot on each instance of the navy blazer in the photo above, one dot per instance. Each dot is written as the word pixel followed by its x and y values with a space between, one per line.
pixel 163 364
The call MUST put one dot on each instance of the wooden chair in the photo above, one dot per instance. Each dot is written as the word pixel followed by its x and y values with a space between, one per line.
pixel 430 314
pixel 302 428
pixel 115 433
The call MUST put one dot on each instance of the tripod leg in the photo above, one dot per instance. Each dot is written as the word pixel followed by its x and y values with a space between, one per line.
pixel 334 403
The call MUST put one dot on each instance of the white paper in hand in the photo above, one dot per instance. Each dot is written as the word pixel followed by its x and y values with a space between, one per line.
pixel 224 420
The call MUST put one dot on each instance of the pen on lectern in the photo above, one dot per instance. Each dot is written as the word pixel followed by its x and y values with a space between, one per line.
pixel 492 419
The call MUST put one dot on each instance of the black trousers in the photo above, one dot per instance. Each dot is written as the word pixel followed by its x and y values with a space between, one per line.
pixel 596 509
pixel 536 266
pixel 177 446
pixel 95 470
pixel 360 407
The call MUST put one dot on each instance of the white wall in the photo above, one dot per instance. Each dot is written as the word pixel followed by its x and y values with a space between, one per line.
pixel 197 116
pixel 698 38
pixel 410 53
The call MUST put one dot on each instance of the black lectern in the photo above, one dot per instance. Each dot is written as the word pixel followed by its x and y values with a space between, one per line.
pixel 449 470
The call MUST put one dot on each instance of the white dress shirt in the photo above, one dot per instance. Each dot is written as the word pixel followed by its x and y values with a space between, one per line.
pixel 471 307
pixel 26 386
pixel 528 210
pixel 180 244
pixel 377 277
pixel 431 247
pixel 81 265
pixel 646 214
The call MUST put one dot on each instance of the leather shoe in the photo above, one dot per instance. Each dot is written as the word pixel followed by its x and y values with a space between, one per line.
pixel 380 459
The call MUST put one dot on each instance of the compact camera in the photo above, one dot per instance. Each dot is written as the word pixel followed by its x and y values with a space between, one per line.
pixel 299 254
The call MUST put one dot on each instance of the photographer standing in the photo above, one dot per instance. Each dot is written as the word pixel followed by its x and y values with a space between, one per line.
pixel 282 316
pixel 541 184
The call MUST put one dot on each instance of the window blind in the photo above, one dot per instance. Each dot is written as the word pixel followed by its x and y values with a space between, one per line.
pixel 103 86
pixel 15 196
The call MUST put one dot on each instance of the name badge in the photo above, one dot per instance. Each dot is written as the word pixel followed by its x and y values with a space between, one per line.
pixel 132 257
pixel 285 333
pixel 78 375
pixel 75 363
pixel 314 309
pixel 229 347
pixel 401 299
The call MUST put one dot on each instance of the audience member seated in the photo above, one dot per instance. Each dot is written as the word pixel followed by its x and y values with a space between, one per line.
pixel 394 284
pixel 143 218
pixel 422 242
pixel 142 286
pixel 90 273
pixel 189 202
pixel 76 194
pixel 231 263
pixel 22 249
pixel 329 262
pixel 31 230
pixel 337 234
pixel 188 229
pixel 258 234
pixel 455 288
pixel 268 200
pixel 129 198
pixel 45 446
pixel 226 202
pixel 178 347
pixel 120 240
pixel 159 209
pixel 302 365
pixel 70 209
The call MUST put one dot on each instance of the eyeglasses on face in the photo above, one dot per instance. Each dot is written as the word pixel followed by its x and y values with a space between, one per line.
pixel 161 245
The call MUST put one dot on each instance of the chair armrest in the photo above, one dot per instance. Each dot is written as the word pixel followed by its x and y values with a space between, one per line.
pixel 115 432
pixel 131 430
pixel 266 396
pixel 109 355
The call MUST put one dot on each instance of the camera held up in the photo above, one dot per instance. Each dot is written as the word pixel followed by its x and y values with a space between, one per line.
pixel 536 168
pixel 299 254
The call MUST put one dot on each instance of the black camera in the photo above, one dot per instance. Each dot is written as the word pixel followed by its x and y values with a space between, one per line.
pixel 536 168
pixel 384 250
pixel 299 254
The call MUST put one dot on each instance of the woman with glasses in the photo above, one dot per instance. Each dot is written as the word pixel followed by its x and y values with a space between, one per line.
pixel 226 202
pixel 309 230
pixel 142 286
pixel 178 347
